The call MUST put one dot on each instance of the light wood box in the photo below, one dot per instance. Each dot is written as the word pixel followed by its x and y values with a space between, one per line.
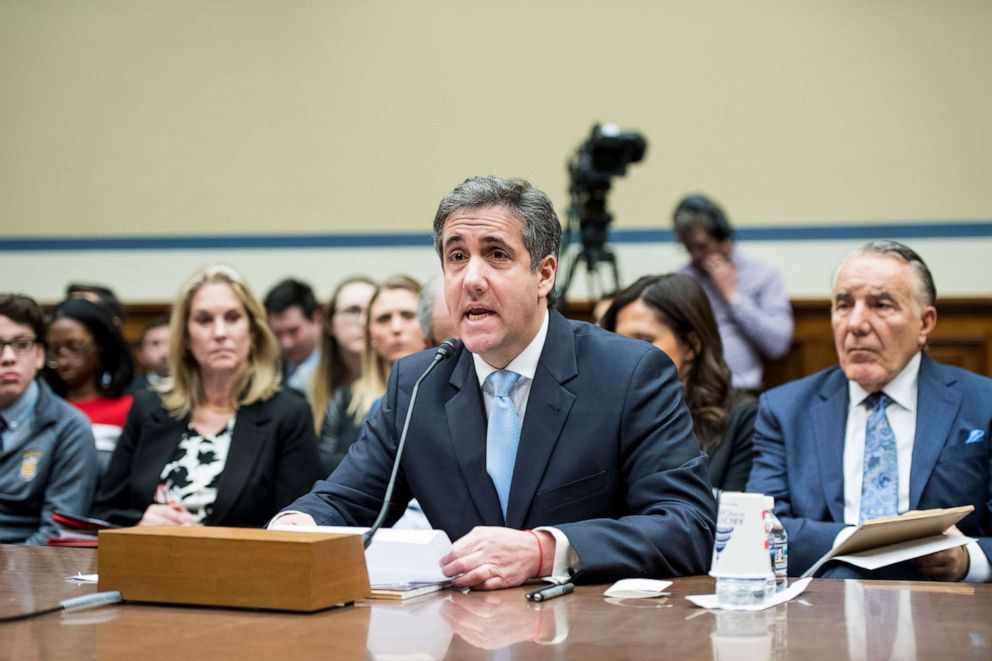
pixel 238 567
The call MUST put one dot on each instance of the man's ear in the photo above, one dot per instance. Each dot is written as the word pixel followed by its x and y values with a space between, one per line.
pixel 929 321
pixel 546 269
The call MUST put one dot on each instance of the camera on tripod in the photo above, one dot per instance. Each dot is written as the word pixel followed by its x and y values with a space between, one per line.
pixel 604 155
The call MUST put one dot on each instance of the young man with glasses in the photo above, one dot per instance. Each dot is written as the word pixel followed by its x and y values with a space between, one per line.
pixel 47 452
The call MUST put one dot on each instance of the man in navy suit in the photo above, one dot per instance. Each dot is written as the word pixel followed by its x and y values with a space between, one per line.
pixel 812 435
pixel 607 476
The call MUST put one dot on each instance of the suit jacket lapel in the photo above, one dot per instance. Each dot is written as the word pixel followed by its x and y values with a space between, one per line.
pixel 250 431
pixel 466 413
pixel 829 422
pixel 548 406
pixel 936 408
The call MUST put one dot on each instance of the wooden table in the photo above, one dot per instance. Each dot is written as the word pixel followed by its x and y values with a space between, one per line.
pixel 831 620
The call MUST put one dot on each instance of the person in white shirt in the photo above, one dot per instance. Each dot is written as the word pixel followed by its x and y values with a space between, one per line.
pixel 886 431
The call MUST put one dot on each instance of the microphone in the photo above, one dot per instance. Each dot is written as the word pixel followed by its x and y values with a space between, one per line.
pixel 445 350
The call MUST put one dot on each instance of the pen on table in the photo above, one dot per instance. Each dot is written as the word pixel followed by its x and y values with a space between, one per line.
pixel 550 592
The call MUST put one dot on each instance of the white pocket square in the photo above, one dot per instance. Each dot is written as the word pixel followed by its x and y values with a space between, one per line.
pixel 975 436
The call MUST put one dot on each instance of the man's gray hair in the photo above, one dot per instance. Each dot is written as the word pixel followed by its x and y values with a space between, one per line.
pixel 924 289
pixel 425 306
pixel 542 229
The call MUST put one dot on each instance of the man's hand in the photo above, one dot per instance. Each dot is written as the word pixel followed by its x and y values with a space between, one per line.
pixel 171 514
pixel 291 519
pixel 949 565
pixel 723 273
pixel 490 558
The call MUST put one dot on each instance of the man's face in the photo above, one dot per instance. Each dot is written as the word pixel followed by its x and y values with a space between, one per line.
pixel 495 300
pixel 878 325
pixel 17 371
pixel 154 352
pixel 297 335
pixel 699 245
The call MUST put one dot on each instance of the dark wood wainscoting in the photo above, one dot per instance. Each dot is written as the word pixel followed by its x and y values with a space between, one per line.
pixel 963 337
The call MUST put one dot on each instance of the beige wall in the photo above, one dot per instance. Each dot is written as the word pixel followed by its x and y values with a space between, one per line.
pixel 194 117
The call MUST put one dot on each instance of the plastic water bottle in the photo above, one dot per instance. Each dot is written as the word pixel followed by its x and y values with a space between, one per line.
pixel 744 591
pixel 778 545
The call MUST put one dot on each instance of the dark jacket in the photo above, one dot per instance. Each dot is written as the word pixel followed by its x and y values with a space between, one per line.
pixel 272 460
pixel 730 461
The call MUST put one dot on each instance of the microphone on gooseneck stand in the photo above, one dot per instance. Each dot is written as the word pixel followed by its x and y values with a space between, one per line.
pixel 444 351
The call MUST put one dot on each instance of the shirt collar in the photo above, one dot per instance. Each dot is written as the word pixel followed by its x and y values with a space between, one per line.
pixel 903 389
pixel 22 411
pixel 525 364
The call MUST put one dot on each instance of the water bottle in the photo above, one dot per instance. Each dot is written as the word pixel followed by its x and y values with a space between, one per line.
pixel 778 545
pixel 744 591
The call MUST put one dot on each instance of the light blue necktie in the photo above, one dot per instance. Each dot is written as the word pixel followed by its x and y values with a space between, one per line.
pixel 502 435
pixel 880 483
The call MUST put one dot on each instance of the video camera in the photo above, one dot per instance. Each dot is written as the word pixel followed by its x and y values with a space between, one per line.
pixel 604 155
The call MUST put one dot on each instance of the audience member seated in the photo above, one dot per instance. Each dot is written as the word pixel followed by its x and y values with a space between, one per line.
pixel 672 313
pixel 153 354
pixel 102 296
pixel 391 332
pixel 47 454
pixel 748 297
pixel 886 431
pixel 220 443
pixel 90 365
pixel 294 317
pixel 432 312
pixel 341 342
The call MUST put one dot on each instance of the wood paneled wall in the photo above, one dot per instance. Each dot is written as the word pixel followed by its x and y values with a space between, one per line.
pixel 963 335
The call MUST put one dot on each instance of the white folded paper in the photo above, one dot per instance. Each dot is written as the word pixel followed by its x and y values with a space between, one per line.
pixel 637 588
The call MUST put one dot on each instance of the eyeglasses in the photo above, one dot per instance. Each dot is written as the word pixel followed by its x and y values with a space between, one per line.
pixel 22 346
pixel 72 349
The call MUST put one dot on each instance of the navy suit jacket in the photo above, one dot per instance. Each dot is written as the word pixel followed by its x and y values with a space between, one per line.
pixel 607 455
pixel 799 444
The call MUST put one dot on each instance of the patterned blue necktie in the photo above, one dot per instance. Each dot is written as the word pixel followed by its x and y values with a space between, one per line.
pixel 880 484
pixel 502 435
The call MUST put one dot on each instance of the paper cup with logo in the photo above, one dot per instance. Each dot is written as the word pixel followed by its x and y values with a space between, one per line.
pixel 741 548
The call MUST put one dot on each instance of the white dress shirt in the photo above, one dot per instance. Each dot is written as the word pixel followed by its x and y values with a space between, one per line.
pixel 525 364
pixel 902 413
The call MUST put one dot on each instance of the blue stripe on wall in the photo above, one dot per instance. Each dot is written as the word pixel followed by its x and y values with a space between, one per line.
pixel 928 230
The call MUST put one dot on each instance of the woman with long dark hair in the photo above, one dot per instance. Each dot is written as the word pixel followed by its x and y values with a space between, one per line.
pixel 89 364
pixel 672 312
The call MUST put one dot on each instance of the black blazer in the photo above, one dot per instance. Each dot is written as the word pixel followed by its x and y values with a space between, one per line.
pixel 730 461
pixel 272 460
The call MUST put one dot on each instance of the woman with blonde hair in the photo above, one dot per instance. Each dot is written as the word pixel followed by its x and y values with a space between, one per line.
pixel 219 443
pixel 341 343
pixel 392 331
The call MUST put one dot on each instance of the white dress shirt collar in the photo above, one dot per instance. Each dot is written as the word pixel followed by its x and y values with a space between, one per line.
pixel 525 364
pixel 903 389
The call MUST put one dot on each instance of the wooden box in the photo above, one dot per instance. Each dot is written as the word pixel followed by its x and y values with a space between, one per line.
pixel 243 568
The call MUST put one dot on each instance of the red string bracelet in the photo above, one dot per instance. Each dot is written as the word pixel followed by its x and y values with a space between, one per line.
pixel 540 552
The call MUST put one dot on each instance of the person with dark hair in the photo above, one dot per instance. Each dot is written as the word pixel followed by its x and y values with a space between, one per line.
pixel 544 447
pixel 886 431
pixel 90 365
pixel 672 313
pixel 219 442
pixel 294 317
pixel 102 296
pixel 748 298
pixel 341 343
pixel 47 453
pixel 153 354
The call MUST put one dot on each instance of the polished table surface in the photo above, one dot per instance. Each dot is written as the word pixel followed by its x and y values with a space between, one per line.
pixel 831 620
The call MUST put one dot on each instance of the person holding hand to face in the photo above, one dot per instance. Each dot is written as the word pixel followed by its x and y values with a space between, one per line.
pixel 219 442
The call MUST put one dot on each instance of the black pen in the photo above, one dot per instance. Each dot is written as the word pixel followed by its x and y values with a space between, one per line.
pixel 550 592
